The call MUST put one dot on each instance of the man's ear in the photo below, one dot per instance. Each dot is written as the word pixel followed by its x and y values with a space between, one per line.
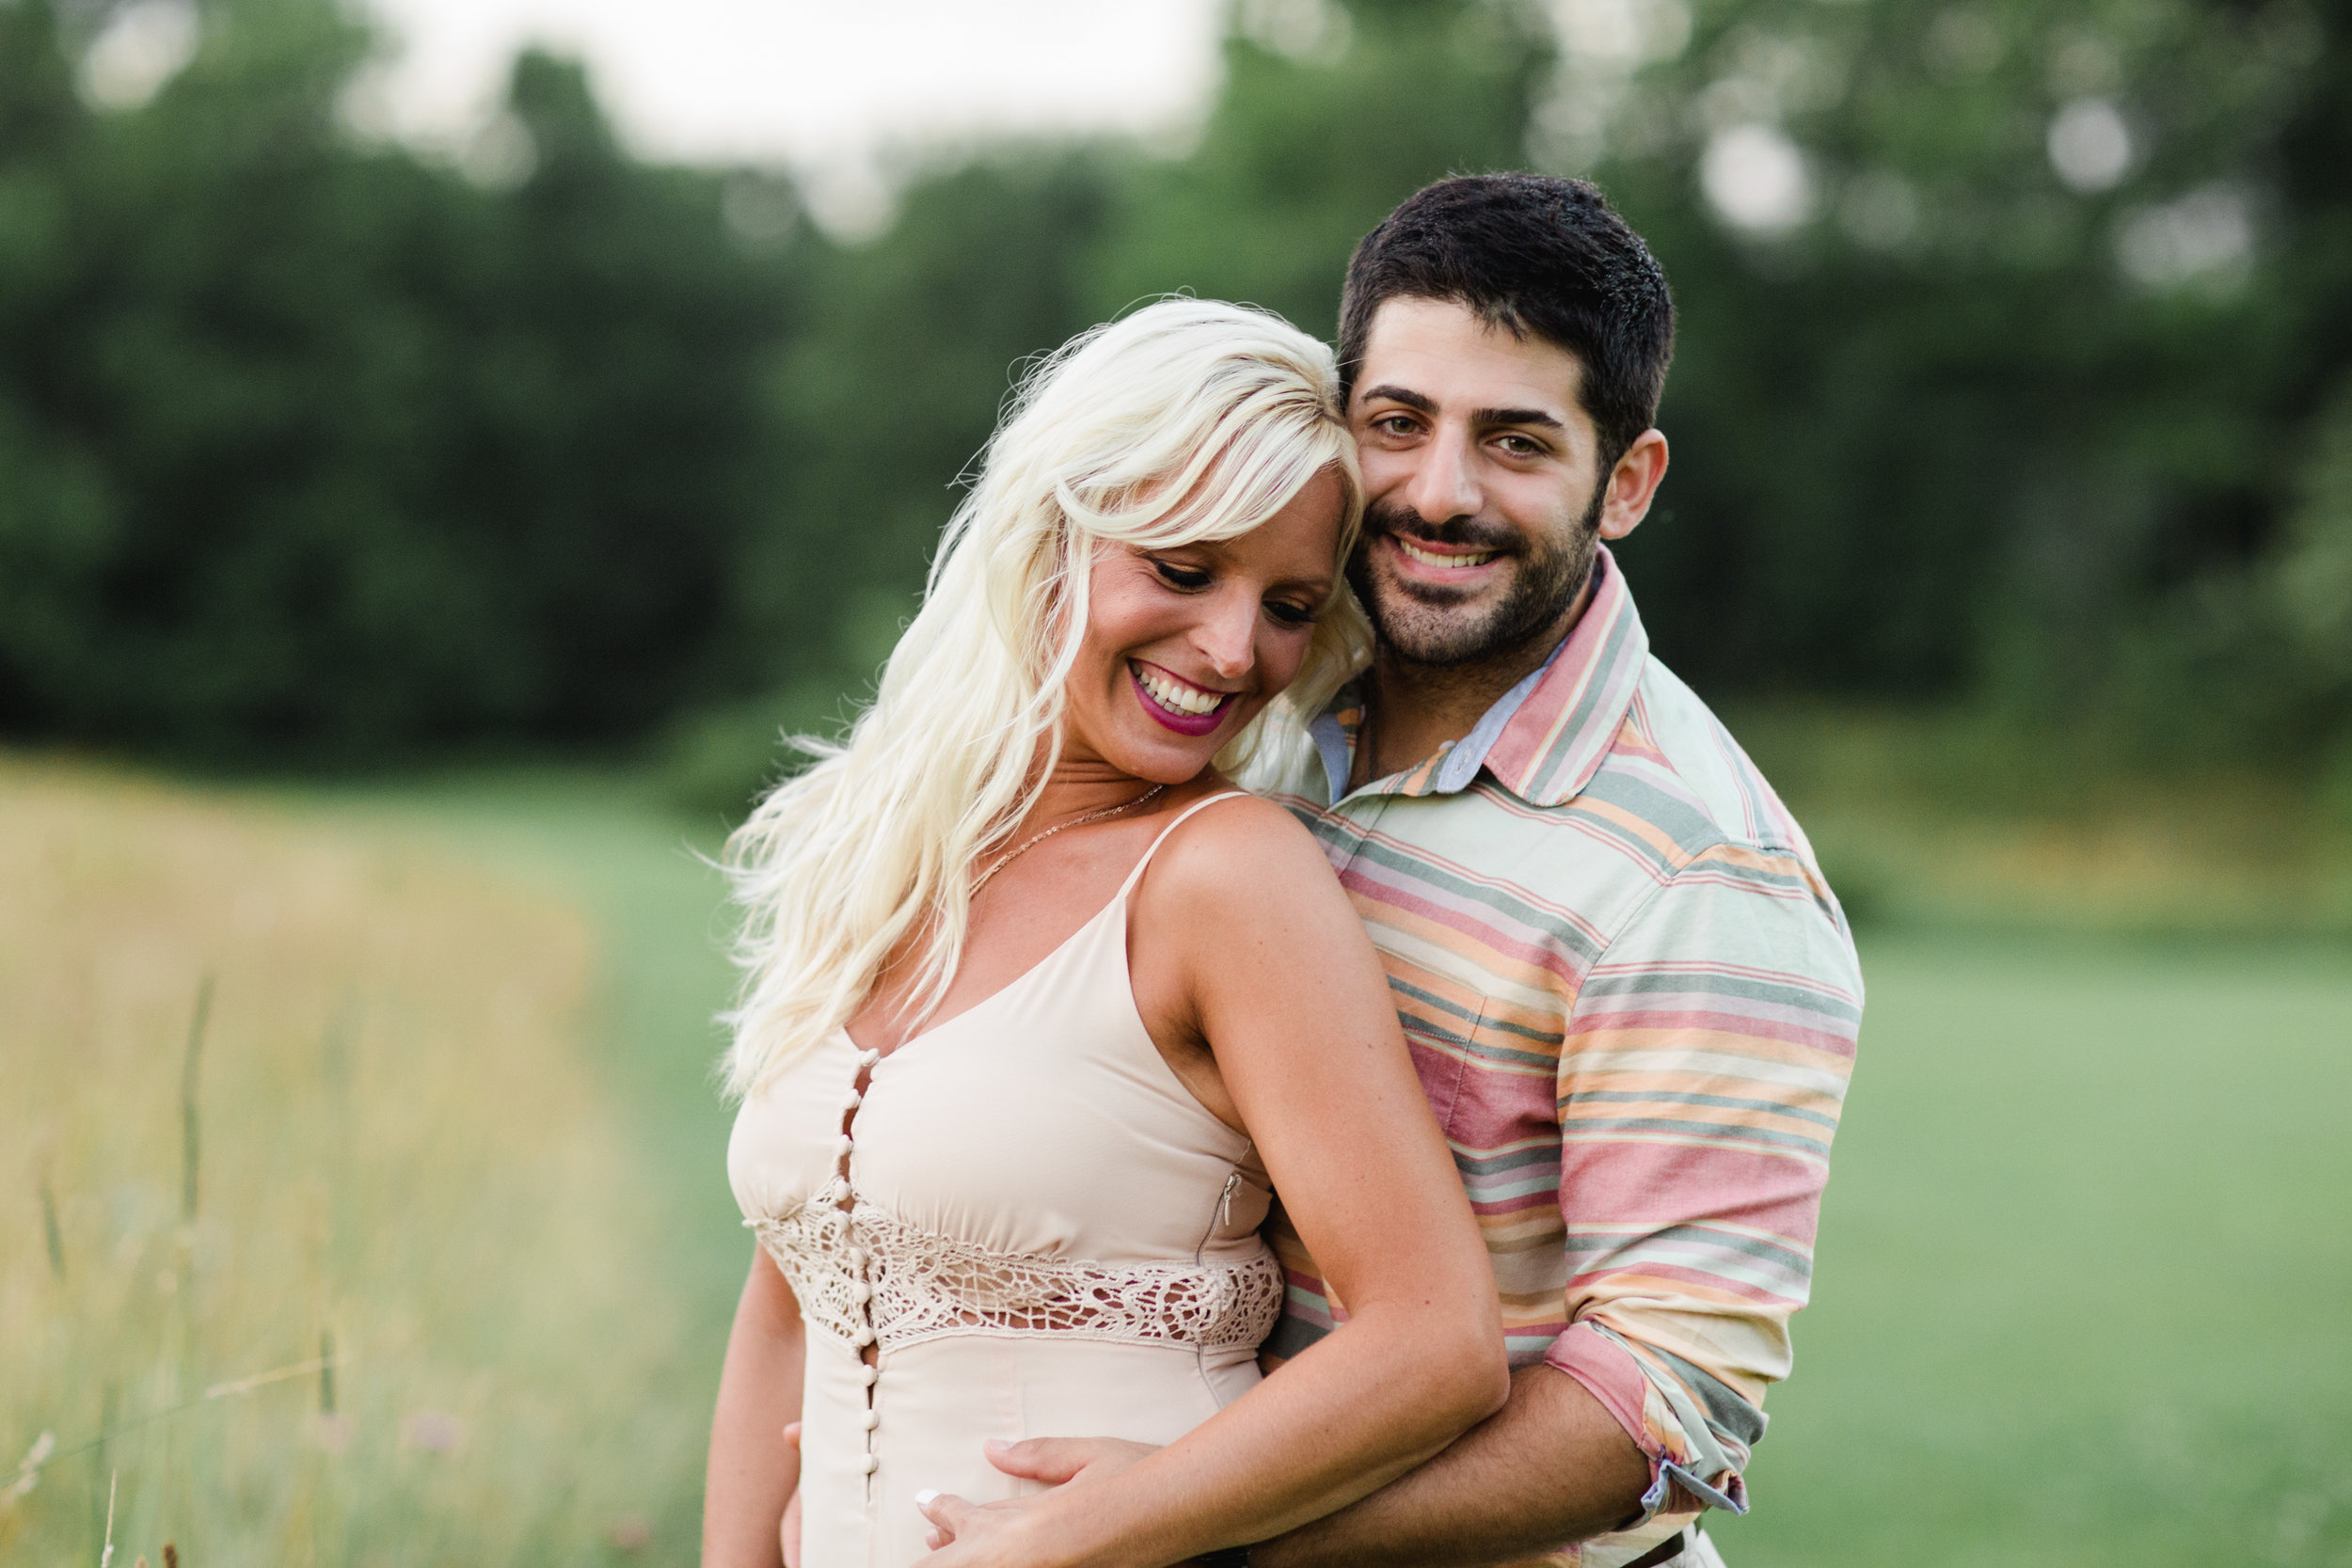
pixel 1634 485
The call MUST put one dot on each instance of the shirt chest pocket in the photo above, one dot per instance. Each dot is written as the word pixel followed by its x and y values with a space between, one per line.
pixel 1488 1066
pixel 1493 1084
pixel 1442 1057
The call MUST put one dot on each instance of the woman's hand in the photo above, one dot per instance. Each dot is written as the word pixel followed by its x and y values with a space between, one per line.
pixel 977 1535
pixel 994 1534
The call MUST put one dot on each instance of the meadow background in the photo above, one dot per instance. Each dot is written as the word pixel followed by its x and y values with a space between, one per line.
pixel 408 560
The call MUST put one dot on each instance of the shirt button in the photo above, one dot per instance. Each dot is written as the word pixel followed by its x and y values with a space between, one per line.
pixel 857 1257
pixel 873 1464
pixel 867 1058
pixel 872 1374
pixel 862 1291
pixel 842 1144
pixel 851 1100
pixel 864 1337
pixel 873 1419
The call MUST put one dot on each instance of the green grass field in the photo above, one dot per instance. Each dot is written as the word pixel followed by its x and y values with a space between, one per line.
pixel 2084 1276
pixel 2085 1288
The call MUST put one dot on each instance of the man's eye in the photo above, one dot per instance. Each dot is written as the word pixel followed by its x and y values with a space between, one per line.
pixel 1181 576
pixel 1395 424
pixel 1519 446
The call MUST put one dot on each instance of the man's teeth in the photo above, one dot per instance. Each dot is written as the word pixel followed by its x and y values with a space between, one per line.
pixel 1430 557
pixel 1178 698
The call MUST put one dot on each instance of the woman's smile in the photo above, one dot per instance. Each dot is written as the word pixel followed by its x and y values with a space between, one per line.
pixel 1177 703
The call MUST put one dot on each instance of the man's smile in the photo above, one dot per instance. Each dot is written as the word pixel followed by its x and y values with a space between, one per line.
pixel 1426 562
pixel 1442 556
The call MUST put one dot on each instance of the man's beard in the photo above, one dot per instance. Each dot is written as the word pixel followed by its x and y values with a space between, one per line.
pixel 1432 631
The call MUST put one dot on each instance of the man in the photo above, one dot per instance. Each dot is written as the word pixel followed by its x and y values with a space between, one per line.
pixel 1630 995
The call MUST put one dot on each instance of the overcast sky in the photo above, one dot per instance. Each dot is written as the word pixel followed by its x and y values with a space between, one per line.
pixel 812 82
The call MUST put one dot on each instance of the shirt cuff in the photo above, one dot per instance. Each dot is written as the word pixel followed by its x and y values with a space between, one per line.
pixel 1597 1359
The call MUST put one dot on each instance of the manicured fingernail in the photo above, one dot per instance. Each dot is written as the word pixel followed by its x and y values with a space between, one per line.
pixel 923 1498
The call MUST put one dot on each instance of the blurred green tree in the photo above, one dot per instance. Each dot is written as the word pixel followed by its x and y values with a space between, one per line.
pixel 1329 115
pixel 320 446
pixel 2002 326
pixel 2016 337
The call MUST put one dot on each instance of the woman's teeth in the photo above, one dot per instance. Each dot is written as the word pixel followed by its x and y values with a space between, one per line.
pixel 1430 557
pixel 1177 697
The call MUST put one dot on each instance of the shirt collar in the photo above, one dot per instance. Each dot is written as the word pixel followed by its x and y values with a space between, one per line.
pixel 1543 739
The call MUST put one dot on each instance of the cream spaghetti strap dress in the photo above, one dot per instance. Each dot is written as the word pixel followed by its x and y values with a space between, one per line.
pixel 1028 1217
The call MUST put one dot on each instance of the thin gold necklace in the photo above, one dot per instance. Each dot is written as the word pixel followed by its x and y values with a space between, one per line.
pixel 1033 842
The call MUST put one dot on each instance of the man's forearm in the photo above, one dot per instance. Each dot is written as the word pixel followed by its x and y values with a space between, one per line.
pixel 1551 1468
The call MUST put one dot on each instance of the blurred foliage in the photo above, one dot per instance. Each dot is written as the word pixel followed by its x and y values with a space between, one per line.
pixel 2015 366
pixel 307 444
pixel 2027 365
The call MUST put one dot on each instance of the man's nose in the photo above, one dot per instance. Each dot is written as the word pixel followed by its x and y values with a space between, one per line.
pixel 1227 633
pixel 1444 482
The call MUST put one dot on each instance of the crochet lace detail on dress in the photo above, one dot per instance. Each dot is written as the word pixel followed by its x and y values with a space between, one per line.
pixel 863 1274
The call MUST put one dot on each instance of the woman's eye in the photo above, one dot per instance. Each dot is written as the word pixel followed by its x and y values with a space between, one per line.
pixel 1180 577
pixel 1291 614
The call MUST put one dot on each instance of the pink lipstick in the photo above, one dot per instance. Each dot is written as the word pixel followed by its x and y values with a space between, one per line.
pixel 1183 723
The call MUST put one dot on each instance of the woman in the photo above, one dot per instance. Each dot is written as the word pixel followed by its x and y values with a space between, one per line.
pixel 1036 1005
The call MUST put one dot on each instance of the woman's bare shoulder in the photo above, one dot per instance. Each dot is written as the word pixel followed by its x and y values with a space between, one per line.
pixel 1250 920
pixel 1240 856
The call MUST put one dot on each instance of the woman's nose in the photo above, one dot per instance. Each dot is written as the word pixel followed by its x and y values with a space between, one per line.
pixel 1227 635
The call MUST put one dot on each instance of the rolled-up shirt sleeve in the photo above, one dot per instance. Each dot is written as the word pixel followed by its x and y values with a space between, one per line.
pixel 1706 1059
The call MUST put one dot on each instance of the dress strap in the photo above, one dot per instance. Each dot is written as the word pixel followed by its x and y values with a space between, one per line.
pixel 1136 875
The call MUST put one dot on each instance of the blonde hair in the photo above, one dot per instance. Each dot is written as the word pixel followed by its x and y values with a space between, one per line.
pixel 1187 420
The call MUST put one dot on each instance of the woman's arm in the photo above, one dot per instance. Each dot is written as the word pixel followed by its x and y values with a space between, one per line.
pixel 1282 984
pixel 753 1468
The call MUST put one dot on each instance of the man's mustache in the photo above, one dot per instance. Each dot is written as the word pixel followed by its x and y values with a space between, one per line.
pixel 1460 532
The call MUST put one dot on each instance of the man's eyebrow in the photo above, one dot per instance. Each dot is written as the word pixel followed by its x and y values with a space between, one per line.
pixel 1517 415
pixel 1405 395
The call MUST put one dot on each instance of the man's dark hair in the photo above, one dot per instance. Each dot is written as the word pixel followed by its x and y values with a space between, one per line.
pixel 1536 255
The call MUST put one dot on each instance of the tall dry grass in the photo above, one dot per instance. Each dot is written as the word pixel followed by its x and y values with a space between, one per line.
pixel 321 1246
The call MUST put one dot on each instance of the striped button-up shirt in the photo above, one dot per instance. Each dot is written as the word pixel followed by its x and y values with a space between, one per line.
pixel 1633 1003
